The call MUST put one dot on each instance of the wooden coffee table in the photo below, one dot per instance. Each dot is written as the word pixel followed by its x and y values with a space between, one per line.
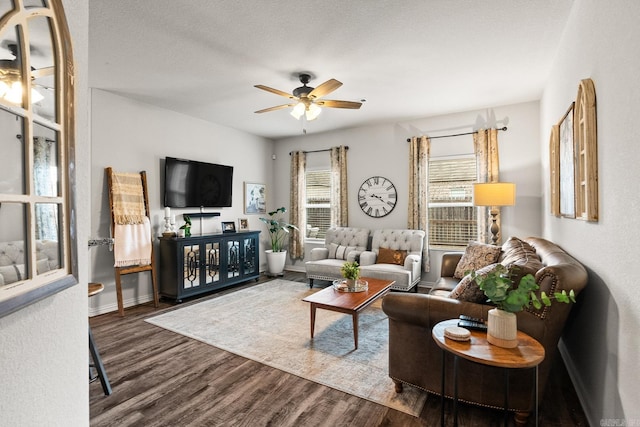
pixel 348 302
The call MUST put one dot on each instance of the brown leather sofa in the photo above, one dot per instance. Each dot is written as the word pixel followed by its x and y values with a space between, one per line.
pixel 416 360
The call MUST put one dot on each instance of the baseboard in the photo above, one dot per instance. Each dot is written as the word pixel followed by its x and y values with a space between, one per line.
pixel 108 308
pixel 297 269
pixel 578 384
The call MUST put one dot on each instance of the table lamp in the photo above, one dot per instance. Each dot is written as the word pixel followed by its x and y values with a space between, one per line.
pixel 494 194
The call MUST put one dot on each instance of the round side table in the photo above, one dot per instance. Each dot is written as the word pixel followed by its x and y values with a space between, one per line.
pixel 528 354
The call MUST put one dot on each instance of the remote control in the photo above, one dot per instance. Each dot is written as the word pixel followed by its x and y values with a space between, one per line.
pixel 476 326
pixel 471 319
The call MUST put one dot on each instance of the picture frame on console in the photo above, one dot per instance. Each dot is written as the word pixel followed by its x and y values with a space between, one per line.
pixel 228 227
pixel 255 198
pixel 243 224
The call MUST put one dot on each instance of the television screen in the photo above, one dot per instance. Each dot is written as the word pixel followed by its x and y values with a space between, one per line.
pixel 189 184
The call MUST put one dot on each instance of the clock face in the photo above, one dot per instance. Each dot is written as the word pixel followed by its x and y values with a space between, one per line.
pixel 377 197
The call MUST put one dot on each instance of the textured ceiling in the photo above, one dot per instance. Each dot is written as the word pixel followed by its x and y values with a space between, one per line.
pixel 407 59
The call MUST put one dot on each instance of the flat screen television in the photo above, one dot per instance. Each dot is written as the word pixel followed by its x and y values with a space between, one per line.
pixel 191 184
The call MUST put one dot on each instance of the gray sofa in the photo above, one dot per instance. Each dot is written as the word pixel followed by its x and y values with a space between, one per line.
pixel 344 244
pixel 408 274
pixel 325 262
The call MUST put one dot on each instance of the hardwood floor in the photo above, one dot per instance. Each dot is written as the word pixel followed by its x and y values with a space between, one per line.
pixel 160 378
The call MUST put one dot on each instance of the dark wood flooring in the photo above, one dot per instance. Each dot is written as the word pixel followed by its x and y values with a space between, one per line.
pixel 160 378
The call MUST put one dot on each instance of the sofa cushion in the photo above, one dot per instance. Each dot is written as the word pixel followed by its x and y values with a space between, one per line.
pixel 390 256
pixel 476 256
pixel 339 251
pixel 468 290
pixel 519 253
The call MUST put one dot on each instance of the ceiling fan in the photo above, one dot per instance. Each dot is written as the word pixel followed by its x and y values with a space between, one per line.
pixel 11 81
pixel 306 101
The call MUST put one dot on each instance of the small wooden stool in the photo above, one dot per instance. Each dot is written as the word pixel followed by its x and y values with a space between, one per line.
pixel 94 289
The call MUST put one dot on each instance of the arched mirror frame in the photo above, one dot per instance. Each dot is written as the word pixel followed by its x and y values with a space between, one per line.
pixel 40 286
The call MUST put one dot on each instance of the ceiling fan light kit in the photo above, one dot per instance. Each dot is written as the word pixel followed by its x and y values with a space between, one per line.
pixel 307 100
pixel 11 80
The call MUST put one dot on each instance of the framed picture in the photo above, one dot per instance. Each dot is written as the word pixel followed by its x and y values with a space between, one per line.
pixel 228 227
pixel 243 224
pixel 254 198
pixel 567 171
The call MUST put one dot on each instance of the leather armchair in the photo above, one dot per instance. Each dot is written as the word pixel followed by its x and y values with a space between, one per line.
pixel 415 359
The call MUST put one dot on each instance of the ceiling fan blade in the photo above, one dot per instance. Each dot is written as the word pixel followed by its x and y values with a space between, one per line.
pixel 276 91
pixel 339 104
pixel 324 89
pixel 277 107
pixel 42 72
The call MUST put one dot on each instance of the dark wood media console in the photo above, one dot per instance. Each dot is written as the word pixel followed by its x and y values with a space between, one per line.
pixel 191 266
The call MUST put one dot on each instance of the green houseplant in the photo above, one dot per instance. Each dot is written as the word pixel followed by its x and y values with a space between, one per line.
pixel 278 229
pixel 499 287
pixel 186 226
pixel 350 270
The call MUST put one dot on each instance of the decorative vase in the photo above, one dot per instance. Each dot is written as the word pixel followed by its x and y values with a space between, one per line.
pixel 502 328
pixel 351 283
pixel 276 261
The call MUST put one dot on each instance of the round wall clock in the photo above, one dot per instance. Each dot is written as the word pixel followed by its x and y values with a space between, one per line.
pixel 377 196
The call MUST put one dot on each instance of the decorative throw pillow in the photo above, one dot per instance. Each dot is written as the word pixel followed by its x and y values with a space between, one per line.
pixel 519 253
pixel 390 256
pixel 339 252
pixel 342 252
pixel 12 273
pixel 468 290
pixel 476 256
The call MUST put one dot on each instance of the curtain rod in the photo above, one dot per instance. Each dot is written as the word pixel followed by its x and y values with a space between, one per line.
pixel 318 151
pixel 457 134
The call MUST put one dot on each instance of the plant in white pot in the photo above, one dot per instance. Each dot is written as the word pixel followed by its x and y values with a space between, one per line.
pixel 278 229
pixel 498 286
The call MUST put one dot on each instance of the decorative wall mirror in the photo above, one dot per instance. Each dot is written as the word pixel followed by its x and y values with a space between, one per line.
pixel 36 136
pixel 586 152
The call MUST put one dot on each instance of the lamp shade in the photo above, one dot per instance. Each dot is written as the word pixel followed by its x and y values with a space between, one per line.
pixel 494 194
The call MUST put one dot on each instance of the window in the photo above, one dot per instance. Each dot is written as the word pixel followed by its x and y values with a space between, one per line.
pixel 36 132
pixel 318 203
pixel 452 216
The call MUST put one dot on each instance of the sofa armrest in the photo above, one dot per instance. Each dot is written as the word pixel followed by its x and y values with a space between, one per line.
pixel 427 310
pixel 318 254
pixel 367 258
pixel 354 256
pixel 449 263
pixel 413 263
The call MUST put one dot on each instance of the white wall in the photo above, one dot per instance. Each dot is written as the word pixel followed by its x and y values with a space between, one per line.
pixel 44 356
pixel 601 343
pixel 383 150
pixel 131 136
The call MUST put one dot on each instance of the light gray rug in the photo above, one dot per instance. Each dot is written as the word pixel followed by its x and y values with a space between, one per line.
pixel 269 323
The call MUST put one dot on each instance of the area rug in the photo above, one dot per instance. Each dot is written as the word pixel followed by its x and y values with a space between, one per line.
pixel 269 323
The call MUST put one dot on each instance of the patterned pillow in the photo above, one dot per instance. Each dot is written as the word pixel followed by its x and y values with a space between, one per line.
pixel 468 290
pixel 390 256
pixel 476 256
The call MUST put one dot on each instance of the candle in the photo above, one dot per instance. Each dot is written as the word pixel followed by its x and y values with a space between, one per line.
pixel 167 212
pixel 173 219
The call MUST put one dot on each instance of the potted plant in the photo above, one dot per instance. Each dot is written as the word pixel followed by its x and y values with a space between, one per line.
pixel 498 287
pixel 278 229
pixel 351 272
pixel 187 225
